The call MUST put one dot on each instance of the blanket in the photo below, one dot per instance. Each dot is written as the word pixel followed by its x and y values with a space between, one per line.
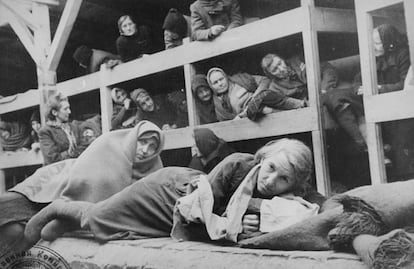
pixel 106 167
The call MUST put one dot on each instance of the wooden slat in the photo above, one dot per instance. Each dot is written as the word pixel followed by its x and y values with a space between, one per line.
pixel 402 106
pixel 80 85
pixel 369 81
pixel 63 31
pixel 22 13
pixel 313 74
pixel 106 101
pixel 334 20
pixel 275 124
pixel 17 159
pixel 19 101
pixel 371 5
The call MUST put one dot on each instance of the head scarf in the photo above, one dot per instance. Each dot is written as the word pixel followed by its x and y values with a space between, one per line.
pixel 106 167
pixel 198 81
pixel 138 93
pixel 215 69
pixel 391 38
pixel 82 55
pixel 175 22
pixel 206 141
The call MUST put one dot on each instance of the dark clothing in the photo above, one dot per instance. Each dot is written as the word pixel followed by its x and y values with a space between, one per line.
pixel 54 144
pixel 205 110
pixel 132 47
pixel 19 136
pixel 223 150
pixel 205 14
pixel 121 114
pixel 162 114
pixel 98 58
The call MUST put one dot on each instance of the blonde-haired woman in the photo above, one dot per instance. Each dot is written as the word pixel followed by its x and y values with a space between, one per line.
pixel 145 209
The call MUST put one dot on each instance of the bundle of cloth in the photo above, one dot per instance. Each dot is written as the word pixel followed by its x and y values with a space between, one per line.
pixel 370 220
pixel 18 136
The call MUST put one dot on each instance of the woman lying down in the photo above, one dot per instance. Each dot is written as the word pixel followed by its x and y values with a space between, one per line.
pixel 237 198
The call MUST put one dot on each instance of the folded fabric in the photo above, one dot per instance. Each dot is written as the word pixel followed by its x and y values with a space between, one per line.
pixel 282 212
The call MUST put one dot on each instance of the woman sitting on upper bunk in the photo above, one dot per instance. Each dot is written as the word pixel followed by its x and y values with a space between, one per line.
pixel 58 138
pixel 123 109
pixel 244 95
pixel 134 41
pixel 209 18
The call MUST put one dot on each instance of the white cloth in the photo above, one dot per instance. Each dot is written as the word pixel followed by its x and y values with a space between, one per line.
pixel 281 212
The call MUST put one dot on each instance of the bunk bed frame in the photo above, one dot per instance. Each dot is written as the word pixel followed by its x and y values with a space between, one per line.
pixel 311 119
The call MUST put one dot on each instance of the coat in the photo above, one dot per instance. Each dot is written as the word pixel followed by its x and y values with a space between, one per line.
pixel 98 58
pixel 205 14
pixel 120 114
pixel 132 47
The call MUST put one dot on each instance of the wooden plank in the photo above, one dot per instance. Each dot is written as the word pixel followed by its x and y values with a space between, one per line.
pixel 409 20
pixel 334 20
pixel 10 159
pixel 365 6
pixel 42 37
pixel 19 101
pixel 24 35
pixel 2 182
pixel 311 50
pixel 106 101
pixel 21 13
pixel 275 124
pixel 193 118
pixel 369 81
pixel 401 108
pixel 63 31
pixel 80 85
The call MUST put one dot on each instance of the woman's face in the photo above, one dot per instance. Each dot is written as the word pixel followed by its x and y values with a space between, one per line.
pixel 120 96
pixel 36 126
pixel 271 180
pixel 146 103
pixel 146 147
pixel 278 68
pixel 219 82
pixel 88 136
pixel 378 46
pixel 62 115
pixel 204 93
pixel 128 27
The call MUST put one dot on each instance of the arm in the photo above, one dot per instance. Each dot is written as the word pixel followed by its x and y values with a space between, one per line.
pixel 199 31
pixel 118 116
pixel 403 62
pixel 50 149
pixel 235 16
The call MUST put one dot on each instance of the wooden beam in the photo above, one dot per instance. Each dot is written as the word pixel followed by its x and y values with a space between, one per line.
pixel 24 35
pixel 19 101
pixel 369 82
pixel 365 6
pixel 313 74
pixel 20 158
pixel 409 20
pixel 106 101
pixel 401 108
pixel 63 31
pixel 22 13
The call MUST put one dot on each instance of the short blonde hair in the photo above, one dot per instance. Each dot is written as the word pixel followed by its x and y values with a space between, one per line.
pixel 298 161
pixel 54 103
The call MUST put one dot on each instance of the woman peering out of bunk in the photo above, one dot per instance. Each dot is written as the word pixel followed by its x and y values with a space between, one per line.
pixel 134 40
pixel 155 109
pixel 209 150
pixel 123 110
pixel 209 18
pixel 244 95
pixel 203 97
pixel 242 185
pixel 112 162
pixel 34 134
pixel 175 28
pixel 58 138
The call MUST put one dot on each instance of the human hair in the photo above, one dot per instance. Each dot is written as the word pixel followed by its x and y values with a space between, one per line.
pixel 298 161
pixel 122 19
pixel 54 103
pixel 266 61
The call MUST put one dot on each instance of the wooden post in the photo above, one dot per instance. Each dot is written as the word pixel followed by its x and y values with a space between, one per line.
pixel 409 21
pixel 369 82
pixel 106 100
pixel 311 49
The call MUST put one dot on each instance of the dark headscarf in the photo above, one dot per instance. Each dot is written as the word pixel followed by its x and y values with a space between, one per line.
pixel 391 38
pixel 199 80
pixel 83 55
pixel 175 22
pixel 205 140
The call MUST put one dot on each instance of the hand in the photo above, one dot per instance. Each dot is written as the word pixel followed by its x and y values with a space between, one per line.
pixel 242 114
pixel 112 63
pixel 267 110
pixel 360 91
pixel 166 127
pixel 250 223
pixel 127 103
pixel 72 152
pixel 217 29
pixel 36 146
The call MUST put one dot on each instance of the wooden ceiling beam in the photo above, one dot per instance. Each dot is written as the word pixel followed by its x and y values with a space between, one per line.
pixel 63 31
pixel 20 12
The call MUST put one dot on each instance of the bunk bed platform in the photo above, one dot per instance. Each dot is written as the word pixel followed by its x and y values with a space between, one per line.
pixel 161 253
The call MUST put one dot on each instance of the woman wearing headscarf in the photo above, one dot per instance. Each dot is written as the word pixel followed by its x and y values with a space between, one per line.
pixel 123 111
pixel 210 150
pixel 134 41
pixel 58 138
pixel 244 95
pixel 112 162
pixel 203 96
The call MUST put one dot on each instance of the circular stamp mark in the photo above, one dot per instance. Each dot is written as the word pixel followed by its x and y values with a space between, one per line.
pixel 38 257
